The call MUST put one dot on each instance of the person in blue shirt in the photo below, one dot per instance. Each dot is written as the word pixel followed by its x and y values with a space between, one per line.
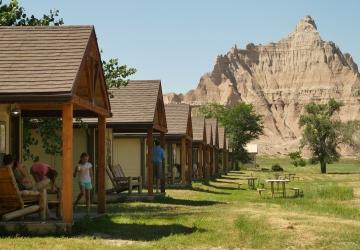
pixel 158 157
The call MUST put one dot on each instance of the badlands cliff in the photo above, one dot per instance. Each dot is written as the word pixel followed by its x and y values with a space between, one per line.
pixel 279 79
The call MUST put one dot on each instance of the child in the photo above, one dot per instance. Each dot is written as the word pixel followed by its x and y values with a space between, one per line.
pixel 84 168
pixel 41 172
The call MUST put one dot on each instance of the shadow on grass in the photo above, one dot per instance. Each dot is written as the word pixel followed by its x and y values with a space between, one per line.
pixel 235 173
pixel 196 203
pixel 131 208
pixel 345 173
pixel 229 178
pixel 106 228
pixel 208 191
pixel 220 187
pixel 225 182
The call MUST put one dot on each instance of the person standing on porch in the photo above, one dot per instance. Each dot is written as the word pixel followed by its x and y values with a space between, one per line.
pixel 84 168
pixel 158 157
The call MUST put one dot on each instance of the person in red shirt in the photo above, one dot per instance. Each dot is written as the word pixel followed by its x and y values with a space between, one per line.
pixel 40 171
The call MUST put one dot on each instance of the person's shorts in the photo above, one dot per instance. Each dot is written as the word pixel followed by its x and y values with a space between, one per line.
pixel 86 184
pixel 158 170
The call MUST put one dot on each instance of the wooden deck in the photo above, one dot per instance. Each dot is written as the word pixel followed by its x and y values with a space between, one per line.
pixel 32 225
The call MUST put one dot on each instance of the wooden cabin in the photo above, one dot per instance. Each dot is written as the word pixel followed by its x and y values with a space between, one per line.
pixel 199 146
pixel 138 114
pixel 223 152
pixel 214 166
pixel 53 72
pixel 179 139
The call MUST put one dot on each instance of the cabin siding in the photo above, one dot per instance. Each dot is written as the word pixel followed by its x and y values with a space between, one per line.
pixel 127 153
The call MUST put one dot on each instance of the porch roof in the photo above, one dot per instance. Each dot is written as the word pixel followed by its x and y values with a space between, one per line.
pixel 178 117
pixel 52 65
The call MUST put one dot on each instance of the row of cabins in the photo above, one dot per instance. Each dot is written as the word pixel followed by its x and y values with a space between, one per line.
pixel 57 72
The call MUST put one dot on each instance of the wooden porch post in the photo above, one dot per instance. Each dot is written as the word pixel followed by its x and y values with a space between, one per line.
pixel 224 160
pixel 200 160
pixel 101 195
pixel 227 160
pixel 149 162
pixel 162 182
pixel 67 162
pixel 211 161
pixel 205 158
pixel 190 151
pixel 183 160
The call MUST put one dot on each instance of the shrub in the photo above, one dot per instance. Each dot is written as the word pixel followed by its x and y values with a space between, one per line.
pixel 302 163
pixel 296 159
pixel 276 168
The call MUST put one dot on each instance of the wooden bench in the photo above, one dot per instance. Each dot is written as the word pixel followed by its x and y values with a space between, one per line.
pixel 260 190
pixel 121 182
pixel 15 203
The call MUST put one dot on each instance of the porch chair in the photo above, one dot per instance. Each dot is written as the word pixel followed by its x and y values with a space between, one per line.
pixel 15 203
pixel 121 182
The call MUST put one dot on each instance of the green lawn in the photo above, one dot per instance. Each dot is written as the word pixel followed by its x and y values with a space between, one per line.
pixel 216 214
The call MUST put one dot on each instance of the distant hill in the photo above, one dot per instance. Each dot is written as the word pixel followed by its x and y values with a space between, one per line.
pixel 279 79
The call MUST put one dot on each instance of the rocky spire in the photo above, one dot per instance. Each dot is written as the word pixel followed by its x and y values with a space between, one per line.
pixel 306 24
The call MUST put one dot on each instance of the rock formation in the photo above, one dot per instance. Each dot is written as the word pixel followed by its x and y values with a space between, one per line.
pixel 279 79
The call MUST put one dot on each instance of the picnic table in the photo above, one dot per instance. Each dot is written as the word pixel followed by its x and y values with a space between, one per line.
pixel 278 181
pixel 251 182
pixel 290 176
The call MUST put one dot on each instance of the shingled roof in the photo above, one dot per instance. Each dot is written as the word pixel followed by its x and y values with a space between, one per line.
pixel 46 59
pixel 222 139
pixel 209 133
pixel 198 124
pixel 140 102
pixel 214 128
pixel 178 119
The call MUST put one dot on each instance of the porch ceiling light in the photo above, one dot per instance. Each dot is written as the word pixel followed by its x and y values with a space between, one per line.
pixel 15 112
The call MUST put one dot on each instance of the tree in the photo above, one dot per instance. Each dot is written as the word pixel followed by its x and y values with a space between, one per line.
pixel 322 132
pixel 116 75
pixel 213 110
pixel 14 15
pixel 296 159
pixel 241 123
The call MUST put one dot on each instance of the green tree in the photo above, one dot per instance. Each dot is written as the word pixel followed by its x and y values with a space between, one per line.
pixel 12 14
pixel 322 132
pixel 213 110
pixel 241 122
pixel 116 75
pixel 243 125
pixel 296 159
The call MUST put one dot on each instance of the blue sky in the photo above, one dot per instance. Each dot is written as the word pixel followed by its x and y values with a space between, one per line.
pixel 178 41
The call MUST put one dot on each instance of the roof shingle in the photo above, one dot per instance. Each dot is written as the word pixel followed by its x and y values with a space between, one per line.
pixel 134 103
pixel 221 137
pixel 177 116
pixel 41 59
pixel 198 128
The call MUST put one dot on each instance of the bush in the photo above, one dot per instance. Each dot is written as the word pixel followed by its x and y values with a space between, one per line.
pixel 276 168
pixel 302 163
pixel 296 159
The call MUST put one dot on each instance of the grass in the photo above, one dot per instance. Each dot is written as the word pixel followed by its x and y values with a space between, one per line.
pixel 216 214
